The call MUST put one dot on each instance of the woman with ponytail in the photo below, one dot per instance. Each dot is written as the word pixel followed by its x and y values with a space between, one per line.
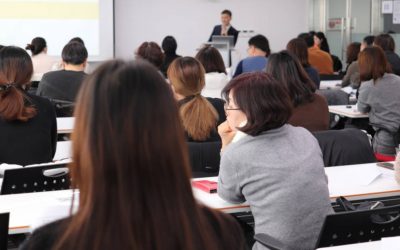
pixel 200 116
pixel 28 128
pixel 42 63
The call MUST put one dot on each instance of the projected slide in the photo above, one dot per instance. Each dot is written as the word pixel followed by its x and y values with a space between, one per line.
pixel 55 20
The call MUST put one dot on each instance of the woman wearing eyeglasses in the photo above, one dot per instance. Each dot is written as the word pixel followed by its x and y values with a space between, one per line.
pixel 277 168
pixel 200 116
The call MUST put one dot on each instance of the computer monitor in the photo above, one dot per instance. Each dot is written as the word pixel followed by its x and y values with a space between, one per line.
pixel 224 39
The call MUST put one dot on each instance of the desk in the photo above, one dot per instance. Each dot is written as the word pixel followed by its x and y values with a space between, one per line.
pixel 331 84
pixel 349 111
pixel 31 210
pixel 340 183
pixel 373 245
pixel 65 125
pixel 63 150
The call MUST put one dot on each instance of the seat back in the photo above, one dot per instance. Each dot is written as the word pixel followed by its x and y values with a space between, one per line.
pixel 359 226
pixel 345 147
pixel 204 158
pixel 4 221
pixel 63 108
pixel 335 97
pixel 35 179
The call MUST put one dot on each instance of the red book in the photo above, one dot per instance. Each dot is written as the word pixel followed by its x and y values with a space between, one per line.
pixel 206 186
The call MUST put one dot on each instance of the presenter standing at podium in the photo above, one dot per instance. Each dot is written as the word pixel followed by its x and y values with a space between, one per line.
pixel 225 29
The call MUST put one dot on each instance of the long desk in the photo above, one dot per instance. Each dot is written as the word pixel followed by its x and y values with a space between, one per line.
pixel 30 210
pixel 342 181
pixel 349 111
pixel 65 125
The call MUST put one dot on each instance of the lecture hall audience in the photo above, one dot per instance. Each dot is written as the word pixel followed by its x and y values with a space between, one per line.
pixel 216 77
pixel 151 52
pixel 42 63
pixel 310 109
pixel 386 42
pixel 298 47
pixel 258 52
pixel 28 128
pixel 274 165
pixel 352 74
pixel 379 97
pixel 321 42
pixel 169 46
pixel 134 192
pixel 318 58
pixel 200 116
pixel 64 84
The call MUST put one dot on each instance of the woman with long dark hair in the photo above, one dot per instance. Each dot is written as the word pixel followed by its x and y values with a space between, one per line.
pixel 310 109
pixel 28 128
pixel 131 166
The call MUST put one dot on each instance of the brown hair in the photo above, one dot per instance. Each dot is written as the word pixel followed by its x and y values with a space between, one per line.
pixel 211 59
pixel 199 117
pixel 373 63
pixel 352 52
pixel 385 41
pixel 265 101
pixel 151 52
pixel 15 72
pixel 131 167
pixel 286 68
pixel 298 47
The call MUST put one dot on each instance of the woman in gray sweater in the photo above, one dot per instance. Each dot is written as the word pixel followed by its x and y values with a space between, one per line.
pixel 379 96
pixel 275 167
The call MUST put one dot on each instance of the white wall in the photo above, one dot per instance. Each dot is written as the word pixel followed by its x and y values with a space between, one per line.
pixel 191 22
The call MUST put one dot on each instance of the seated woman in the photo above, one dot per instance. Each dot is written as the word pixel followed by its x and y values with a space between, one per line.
pixel 131 168
pixel 151 52
pixel 42 63
pixel 310 109
pixel 298 47
pixel 216 77
pixel 277 168
pixel 379 96
pixel 200 116
pixel 28 127
pixel 352 74
pixel 322 43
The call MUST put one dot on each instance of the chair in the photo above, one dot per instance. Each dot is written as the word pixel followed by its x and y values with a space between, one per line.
pixel 396 139
pixel 63 108
pixel 349 228
pixel 344 147
pixel 35 179
pixel 4 221
pixel 204 158
pixel 335 97
pixel 325 77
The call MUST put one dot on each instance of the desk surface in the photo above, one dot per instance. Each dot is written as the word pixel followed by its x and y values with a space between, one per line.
pixel 31 210
pixel 65 125
pixel 330 84
pixel 347 111
pixel 63 150
pixel 341 182
pixel 373 245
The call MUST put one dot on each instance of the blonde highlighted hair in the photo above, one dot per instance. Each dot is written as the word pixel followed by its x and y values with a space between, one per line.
pixel 199 117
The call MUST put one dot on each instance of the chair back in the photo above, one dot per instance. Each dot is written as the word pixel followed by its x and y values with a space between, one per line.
pixel 35 179
pixel 345 147
pixel 4 221
pixel 359 226
pixel 204 158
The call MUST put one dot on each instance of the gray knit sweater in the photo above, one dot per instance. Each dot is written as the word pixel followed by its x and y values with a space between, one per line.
pixel 281 175
pixel 382 102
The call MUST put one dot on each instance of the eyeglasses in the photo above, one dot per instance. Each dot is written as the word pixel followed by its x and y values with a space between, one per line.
pixel 226 107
